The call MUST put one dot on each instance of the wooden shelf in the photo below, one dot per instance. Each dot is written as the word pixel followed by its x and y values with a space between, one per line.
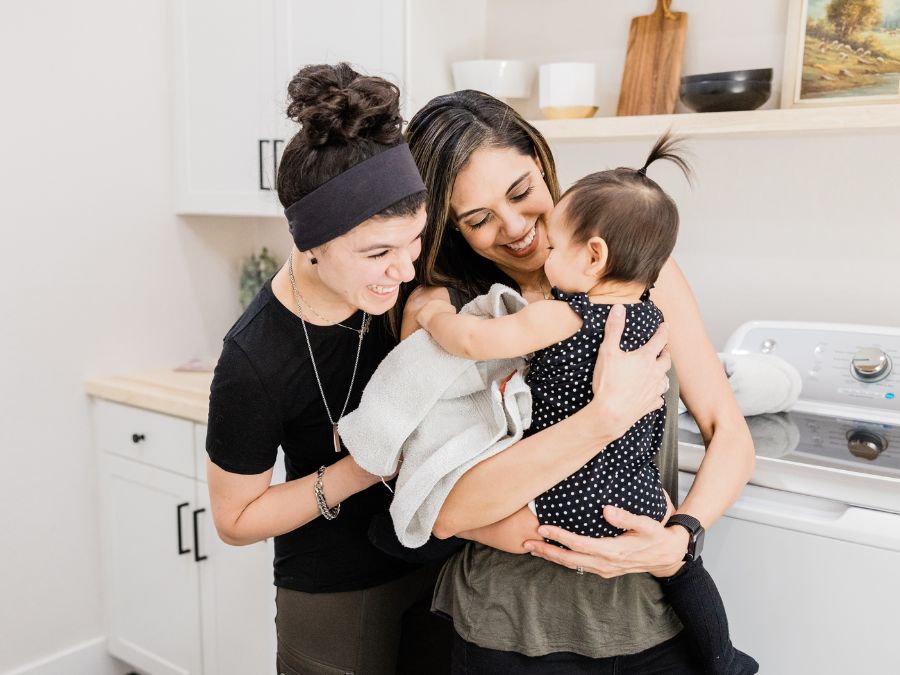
pixel 747 123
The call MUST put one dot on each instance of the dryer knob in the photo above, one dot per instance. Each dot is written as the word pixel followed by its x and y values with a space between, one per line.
pixel 870 364
pixel 865 444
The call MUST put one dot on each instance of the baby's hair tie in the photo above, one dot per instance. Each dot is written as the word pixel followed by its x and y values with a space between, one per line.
pixel 643 171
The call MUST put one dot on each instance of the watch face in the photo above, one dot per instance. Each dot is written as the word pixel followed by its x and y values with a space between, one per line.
pixel 698 543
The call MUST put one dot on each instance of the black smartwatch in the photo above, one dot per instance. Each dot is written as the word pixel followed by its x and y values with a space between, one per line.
pixel 695 530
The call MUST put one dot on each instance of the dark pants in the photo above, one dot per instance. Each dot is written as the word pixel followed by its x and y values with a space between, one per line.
pixel 693 595
pixel 673 657
pixel 383 630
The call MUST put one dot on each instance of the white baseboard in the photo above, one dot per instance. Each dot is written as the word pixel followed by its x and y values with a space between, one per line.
pixel 86 658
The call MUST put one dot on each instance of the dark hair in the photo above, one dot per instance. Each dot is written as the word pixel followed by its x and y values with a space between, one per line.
pixel 442 137
pixel 631 212
pixel 345 118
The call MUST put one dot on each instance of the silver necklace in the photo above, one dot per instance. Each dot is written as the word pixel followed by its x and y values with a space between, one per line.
pixel 312 359
pixel 547 294
pixel 298 297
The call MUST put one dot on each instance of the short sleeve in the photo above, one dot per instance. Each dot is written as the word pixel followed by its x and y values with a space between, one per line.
pixel 244 429
pixel 579 302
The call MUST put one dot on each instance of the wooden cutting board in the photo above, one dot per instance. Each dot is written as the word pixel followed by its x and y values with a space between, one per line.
pixel 653 63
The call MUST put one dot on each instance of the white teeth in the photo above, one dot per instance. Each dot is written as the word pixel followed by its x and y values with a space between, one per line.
pixel 524 242
pixel 383 289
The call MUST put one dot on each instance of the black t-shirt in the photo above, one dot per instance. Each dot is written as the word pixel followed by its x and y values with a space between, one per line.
pixel 264 394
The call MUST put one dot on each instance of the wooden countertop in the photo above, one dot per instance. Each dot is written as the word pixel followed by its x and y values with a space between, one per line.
pixel 171 392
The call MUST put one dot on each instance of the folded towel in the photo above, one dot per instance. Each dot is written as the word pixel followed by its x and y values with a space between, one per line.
pixel 442 413
pixel 762 383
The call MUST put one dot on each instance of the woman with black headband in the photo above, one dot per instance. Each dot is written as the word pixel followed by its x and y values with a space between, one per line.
pixel 297 360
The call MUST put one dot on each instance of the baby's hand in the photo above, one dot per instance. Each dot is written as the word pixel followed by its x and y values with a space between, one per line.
pixel 431 309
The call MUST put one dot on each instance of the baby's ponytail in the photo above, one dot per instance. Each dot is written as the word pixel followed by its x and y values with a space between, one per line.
pixel 671 148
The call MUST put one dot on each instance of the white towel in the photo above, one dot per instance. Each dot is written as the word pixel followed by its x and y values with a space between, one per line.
pixel 442 413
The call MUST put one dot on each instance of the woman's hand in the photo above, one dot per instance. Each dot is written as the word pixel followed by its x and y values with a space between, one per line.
pixel 647 546
pixel 629 385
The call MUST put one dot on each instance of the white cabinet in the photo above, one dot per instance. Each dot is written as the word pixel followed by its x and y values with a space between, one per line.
pixel 178 600
pixel 225 107
pixel 151 579
pixel 237 602
pixel 237 593
pixel 233 63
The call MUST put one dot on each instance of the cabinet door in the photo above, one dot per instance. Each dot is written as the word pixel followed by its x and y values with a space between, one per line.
pixel 225 117
pixel 369 34
pixel 237 598
pixel 151 580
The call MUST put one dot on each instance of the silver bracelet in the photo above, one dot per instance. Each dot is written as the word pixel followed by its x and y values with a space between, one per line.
pixel 329 514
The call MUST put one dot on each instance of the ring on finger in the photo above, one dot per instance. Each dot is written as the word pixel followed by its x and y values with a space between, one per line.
pixel 579 570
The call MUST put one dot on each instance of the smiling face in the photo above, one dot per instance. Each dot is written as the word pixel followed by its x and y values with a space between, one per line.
pixel 501 203
pixel 365 267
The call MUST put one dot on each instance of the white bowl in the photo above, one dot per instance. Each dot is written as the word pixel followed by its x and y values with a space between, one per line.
pixel 498 77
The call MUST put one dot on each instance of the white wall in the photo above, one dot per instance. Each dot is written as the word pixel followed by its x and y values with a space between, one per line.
pixel 96 276
pixel 777 227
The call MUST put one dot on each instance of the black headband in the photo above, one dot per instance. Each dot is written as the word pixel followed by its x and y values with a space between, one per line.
pixel 362 191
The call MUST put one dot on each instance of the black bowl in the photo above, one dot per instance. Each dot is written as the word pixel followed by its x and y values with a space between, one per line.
pixel 724 95
pixel 760 74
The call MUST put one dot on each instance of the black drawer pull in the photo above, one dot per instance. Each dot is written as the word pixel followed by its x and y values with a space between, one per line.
pixel 197 555
pixel 181 549
pixel 262 184
pixel 137 438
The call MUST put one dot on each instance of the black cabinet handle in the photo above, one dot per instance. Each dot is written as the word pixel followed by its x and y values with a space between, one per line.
pixel 137 438
pixel 262 184
pixel 275 159
pixel 181 549
pixel 197 555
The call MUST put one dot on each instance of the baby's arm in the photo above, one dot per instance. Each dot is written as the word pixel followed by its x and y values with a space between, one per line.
pixel 534 327
pixel 508 534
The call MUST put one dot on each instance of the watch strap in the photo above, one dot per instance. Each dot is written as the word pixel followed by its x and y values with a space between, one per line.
pixel 689 523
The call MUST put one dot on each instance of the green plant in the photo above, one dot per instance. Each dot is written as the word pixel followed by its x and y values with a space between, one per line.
pixel 255 271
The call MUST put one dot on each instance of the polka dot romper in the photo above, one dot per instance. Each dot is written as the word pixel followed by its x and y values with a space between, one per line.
pixel 625 473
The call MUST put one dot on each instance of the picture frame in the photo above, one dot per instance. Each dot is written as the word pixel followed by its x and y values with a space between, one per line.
pixel 841 52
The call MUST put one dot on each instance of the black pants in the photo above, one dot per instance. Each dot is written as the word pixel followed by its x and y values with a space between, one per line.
pixel 384 630
pixel 673 657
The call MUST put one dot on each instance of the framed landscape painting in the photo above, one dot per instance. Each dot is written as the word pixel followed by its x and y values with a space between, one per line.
pixel 842 52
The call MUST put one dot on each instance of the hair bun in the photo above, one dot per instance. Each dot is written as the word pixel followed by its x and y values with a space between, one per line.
pixel 335 105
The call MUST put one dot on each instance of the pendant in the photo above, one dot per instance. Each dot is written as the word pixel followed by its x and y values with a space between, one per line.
pixel 337 439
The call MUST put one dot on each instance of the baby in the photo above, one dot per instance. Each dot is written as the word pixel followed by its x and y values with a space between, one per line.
pixel 609 237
